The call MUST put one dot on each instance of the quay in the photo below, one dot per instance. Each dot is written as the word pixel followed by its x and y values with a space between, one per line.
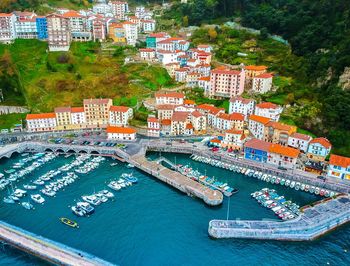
pixel 46 249
pixel 312 223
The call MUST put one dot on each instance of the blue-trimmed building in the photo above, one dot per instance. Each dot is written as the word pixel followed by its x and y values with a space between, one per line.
pixel 41 26
pixel 257 150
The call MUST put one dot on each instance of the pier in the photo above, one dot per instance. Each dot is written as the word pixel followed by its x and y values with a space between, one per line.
pixel 312 223
pixel 46 249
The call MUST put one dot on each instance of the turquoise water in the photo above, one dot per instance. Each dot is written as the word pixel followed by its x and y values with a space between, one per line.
pixel 152 224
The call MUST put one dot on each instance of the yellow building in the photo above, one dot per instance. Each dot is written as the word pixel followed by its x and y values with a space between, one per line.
pixel 117 33
pixel 97 112
pixel 63 118
pixel 278 133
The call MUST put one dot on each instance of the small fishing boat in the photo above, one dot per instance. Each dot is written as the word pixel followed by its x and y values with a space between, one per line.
pixel 130 165
pixel 68 222
pixel 86 207
pixel 8 200
pixel 113 164
pixel 78 211
pixel 27 205
pixel 37 198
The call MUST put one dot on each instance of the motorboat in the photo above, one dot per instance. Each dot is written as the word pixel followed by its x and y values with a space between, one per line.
pixel 86 207
pixel 78 211
pixel 27 205
pixel 107 193
pixel 92 200
pixel 130 166
pixel 37 198
pixel 8 200
pixel 68 222
pixel 114 185
pixel 29 187
pixel 19 193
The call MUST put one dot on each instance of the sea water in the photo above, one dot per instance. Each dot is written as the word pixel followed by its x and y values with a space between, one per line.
pixel 151 223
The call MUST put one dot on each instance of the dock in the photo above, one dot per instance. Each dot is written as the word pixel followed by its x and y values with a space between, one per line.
pixel 46 249
pixel 177 180
pixel 311 224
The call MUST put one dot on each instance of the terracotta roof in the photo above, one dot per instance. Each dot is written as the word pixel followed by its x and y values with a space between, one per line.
pixel 158 35
pixel 146 50
pixel 256 68
pixel 210 108
pixel 283 150
pixel 259 119
pixel 5 14
pixel 301 136
pixel 128 23
pixel 189 102
pixel 267 105
pixel 234 131
pixel 62 109
pixel 166 122
pixel 264 76
pixel 203 46
pixel 215 141
pixel 40 116
pixel 204 78
pixel 189 126
pixel 323 141
pixel 241 99
pixel 280 126
pixel 152 120
pixel 225 71
pixel 122 109
pixel 169 94
pixel 120 130
pixel 77 109
pixel 231 117
pixel 197 114
pixel 165 107
pixel 179 116
pixel 96 101
pixel 72 14
pixel 339 161
pixel 258 144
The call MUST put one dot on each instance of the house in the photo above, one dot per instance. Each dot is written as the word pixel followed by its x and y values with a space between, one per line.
pixel 282 156
pixel 165 127
pixel 116 32
pixel 102 8
pixel 179 121
pixel 253 71
pixel 119 9
pixel 63 118
pixel 277 132
pixel 199 122
pixel 318 149
pixel 148 25
pixel 121 133
pixel 97 112
pixel 174 98
pixel 147 54
pixel 153 38
pixel 41 122
pixel 262 83
pixel 226 83
pixel 203 69
pixel 234 139
pixel 211 112
pixel 165 111
pixel 257 150
pixel 78 117
pixel 99 30
pixel 131 34
pixel 204 83
pixel 192 80
pixel 256 126
pixel 78 26
pixel 339 167
pixel 41 27
pixel 269 110
pixel 242 106
pixel 299 141
pixel 205 48
pixel 204 58
pixel 166 57
pixel 228 121
pixel 153 127
pixel 58 31
pixel 181 74
pixel 120 115
pixel 7 28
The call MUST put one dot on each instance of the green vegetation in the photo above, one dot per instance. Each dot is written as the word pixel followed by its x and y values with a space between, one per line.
pixel 9 120
pixel 31 76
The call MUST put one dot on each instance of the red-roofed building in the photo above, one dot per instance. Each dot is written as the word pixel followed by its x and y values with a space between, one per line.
pixel 7 27
pixel 262 83
pixel 283 156
pixel 99 30
pixel 147 54
pixel 25 25
pixel 119 9
pixel 78 117
pixel 227 121
pixel 210 111
pixel 269 110
pixel 41 122
pixel 277 132
pixel 242 106
pixel 226 83
pixel 256 125
pixel 204 83
pixel 153 126
pixel 59 33
pixel 205 48
pixel 339 167
pixel 174 98
pixel 121 133
pixel 97 112
pixel 234 139
pixel 120 115
pixel 199 122
pixel 179 121
pixel 253 71
pixel 299 141
pixel 318 149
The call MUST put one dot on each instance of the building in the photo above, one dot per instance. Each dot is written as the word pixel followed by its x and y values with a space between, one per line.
pixel 165 111
pixel 339 167
pixel 199 122
pixel 165 127
pixel 262 83
pixel 121 133
pixel 205 48
pixel 173 98
pixel 78 26
pixel 166 57
pixel 120 115
pixel 318 149
pixel 256 126
pixel 119 9
pixel 253 71
pixel 148 25
pixel 116 32
pixel 204 83
pixel 283 156
pixel 181 74
pixel 153 38
pixel 59 34
pixel 171 67
pixel 179 121
pixel 102 8
pixel 242 106
pixel 276 132
pixel 78 117
pixel 269 110
pixel 257 150
pixel 41 28
pixel 25 25
pixel 148 54
pixel 153 127
pixel 234 139
pixel 41 122
pixel 226 83
pixel 7 27
pixel 63 118
pixel 99 30
pixel 97 112
pixel 211 112
pixel 299 141
pixel 131 34
pixel 227 121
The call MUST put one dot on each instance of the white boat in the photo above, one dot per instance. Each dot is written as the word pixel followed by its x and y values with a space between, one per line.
pixel 91 199
pixel 37 198
pixel 27 205
pixel 19 193
pixel 29 187
pixel 86 207
pixel 114 185
pixel 78 211
pixel 130 165
pixel 107 193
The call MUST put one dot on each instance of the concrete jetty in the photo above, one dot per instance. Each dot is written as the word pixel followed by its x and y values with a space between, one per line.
pixel 177 180
pixel 46 249
pixel 312 223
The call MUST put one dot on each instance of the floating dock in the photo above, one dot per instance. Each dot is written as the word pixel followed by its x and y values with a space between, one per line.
pixel 314 222
pixel 46 249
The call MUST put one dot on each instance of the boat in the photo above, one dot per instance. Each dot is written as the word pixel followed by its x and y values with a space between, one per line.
pixel 129 177
pixel 86 207
pixel 107 193
pixel 29 187
pixel 114 185
pixel 78 211
pixel 130 165
pixel 113 164
pixel 19 193
pixel 68 222
pixel 8 200
pixel 92 200
pixel 37 198
pixel 27 205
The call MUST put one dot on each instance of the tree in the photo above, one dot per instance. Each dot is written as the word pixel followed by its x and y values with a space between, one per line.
pixel 212 34
pixel 185 21
pixel 264 33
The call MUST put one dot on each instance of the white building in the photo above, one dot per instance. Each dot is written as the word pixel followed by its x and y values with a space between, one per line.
pixel 242 106
pixel 78 116
pixel 120 115
pixel 225 122
pixel 299 141
pixel 204 83
pixel 181 74
pixel 131 34
pixel 25 25
pixel 256 126
pixel 234 139
pixel 339 167
pixel 283 156
pixel 7 27
pixel 102 9
pixel 41 122
pixel 199 122
pixel 148 25
pixel 59 34
pixel 78 26
pixel 121 133
pixel 269 110
pixel 148 54
pixel 153 127
pixel 166 57
pixel 172 98
pixel 119 9
pixel 262 83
